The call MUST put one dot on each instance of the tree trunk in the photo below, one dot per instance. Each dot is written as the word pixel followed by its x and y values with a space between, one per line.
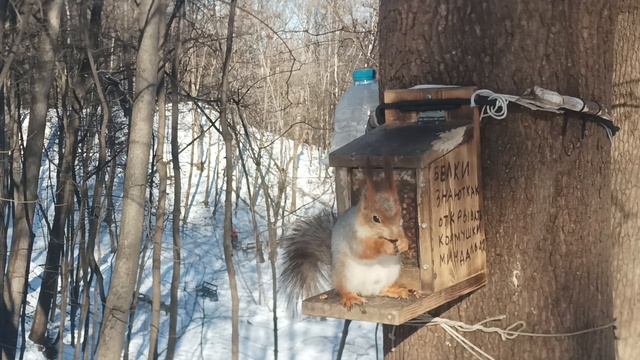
pixel 65 192
pixel 159 228
pixel 150 14
pixel 64 204
pixel 99 182
pixel 136 296
pixel 546 191
pixel 158 235
pixel 26 191
pixel 294 175
pixel 187 195
pixel 82 267
pixel 625 183
pixel 83 274
pixel 177 193
pixel 109 211
pixel 4 205
pixel 228 150
pixel 4 164
pixel 252 210
pixel 64 290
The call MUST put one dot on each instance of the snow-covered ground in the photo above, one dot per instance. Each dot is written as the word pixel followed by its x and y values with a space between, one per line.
pixel 204 325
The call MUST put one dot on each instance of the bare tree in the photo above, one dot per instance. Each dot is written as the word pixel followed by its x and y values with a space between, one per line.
pixel 26 191
pixel 177 186
pixel 65 192
pixel 150 13
pixel 5 174
pixel 64 202
pixel 95 95
pixel 158 235
pixel 228 206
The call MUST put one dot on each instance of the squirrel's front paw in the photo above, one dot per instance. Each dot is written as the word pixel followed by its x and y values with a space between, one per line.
pixel 350 299
pixel 396 291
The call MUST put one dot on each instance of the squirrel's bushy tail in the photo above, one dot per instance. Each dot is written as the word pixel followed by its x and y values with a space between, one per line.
pixel 306 257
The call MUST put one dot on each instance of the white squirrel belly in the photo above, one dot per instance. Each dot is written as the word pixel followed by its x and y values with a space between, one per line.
pixel 370 277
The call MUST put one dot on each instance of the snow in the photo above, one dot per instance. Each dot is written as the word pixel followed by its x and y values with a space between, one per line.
pixel 204 326
pixel 448 140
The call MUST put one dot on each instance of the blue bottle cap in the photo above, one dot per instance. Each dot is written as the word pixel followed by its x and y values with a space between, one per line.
pixel 364 74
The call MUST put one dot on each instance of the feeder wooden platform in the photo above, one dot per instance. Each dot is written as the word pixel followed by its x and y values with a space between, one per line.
pixel 384 310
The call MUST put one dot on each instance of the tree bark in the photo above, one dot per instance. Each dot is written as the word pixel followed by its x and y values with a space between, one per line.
pixel 158 235
pixel 546 191
pixel 65 191
pixel 228 150
pixel 159 227
pixel 150 14
pixel 26 191
pixel 207 189
pixel 177 192
pixel 64 204
pixel 625 180
pixel 99 182
pixel 187 195
pixel 4 163
pixel 82 267
pixel 64 290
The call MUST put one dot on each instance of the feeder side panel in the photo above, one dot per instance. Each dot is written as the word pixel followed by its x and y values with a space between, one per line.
pixel 457 234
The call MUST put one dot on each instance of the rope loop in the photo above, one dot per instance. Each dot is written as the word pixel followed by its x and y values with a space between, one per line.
pixel 498 110
pixel 454 328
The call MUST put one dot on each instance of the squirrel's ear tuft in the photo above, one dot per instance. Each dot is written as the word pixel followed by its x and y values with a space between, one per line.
pixel 369 189
pixel 388 174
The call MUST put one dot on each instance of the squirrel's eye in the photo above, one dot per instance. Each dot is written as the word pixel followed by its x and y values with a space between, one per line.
pixel 376 219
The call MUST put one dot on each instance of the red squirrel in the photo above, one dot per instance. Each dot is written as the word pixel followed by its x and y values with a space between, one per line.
pixel 361 248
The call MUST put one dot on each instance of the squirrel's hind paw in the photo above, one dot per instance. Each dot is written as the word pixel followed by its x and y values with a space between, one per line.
pixel 396 291
pixel 350 299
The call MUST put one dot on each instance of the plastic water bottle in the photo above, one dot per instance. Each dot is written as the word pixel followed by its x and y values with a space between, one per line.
pixel 355 108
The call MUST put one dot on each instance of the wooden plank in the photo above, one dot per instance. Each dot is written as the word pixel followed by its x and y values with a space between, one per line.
pixel 396 95
pixel 343 189
pixel 457 232
pixel 409 277
pixel 450 92
pixel 386 310
pixel 425 253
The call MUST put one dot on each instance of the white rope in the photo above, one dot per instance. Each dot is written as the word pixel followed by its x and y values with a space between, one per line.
pixel 541 100
pixel 499 109
pixel 454 328
pixel 471 347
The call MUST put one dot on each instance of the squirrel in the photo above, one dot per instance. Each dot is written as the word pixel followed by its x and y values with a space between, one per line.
pixel 360 248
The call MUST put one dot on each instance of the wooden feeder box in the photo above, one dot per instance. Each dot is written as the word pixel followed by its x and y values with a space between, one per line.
pixel 436 166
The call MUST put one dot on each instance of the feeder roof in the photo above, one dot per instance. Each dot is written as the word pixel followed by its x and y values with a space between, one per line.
pixel 410 145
